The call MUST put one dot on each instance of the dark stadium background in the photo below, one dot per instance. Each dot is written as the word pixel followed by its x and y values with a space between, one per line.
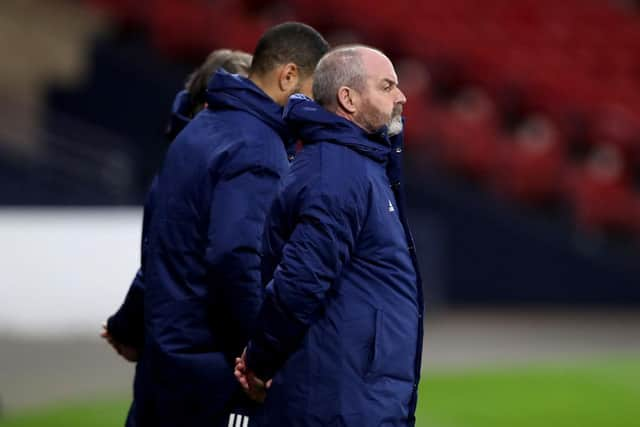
pixel 523 159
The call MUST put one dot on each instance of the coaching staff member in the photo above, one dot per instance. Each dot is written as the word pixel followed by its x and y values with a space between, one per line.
pixel 124 330
pixel 340 331
pixel 203 284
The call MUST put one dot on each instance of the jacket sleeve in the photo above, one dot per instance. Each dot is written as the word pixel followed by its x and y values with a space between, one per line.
pixel 127 324
pixel 321 243
pixel 234 248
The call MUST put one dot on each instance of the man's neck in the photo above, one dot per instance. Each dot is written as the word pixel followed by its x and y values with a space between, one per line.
pixel 268 89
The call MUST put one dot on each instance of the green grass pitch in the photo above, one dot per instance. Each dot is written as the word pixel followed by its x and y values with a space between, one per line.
pixel 593 394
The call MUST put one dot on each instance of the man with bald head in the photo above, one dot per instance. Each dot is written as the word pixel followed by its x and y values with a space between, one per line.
pixel 340 332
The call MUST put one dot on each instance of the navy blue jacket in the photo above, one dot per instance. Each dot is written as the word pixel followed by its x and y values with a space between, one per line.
pixel 202 268
pixel 340 331
pixel 127 324
pixel 180 114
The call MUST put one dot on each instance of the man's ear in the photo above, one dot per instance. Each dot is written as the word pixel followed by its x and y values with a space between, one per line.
pixel 288 77
pixel 348 99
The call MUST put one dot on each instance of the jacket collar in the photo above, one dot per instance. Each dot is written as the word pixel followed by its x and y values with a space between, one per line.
pixel 233 92
pixel 312 123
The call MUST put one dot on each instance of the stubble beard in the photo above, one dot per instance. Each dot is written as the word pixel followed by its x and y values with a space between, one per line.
pixel 395 125
pixel 372 119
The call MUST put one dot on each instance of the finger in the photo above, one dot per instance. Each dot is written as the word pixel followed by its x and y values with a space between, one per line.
pixel 268 384
pixel 255 380
pixel 242 379
pixel 244 385
pixel 258 385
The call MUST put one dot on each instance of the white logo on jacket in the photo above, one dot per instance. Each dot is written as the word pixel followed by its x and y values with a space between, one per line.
pixel 391 208
pixel 238 420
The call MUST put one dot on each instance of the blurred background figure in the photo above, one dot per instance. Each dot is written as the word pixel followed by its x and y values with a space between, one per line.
pixel 192 99
pixel 523 150
pixel 124 330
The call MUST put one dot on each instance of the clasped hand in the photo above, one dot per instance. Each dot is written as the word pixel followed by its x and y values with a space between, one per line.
pixel 128 352
pixel 253 386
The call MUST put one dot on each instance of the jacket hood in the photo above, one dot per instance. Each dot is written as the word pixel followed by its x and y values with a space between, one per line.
pixel 180 111
pixel 312 123
pixel 233 92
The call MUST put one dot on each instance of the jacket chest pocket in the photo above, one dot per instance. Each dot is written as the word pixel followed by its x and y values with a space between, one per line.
pixel 384 234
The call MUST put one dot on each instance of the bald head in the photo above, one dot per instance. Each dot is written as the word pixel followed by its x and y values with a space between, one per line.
pixel 360 84
pixel 340 67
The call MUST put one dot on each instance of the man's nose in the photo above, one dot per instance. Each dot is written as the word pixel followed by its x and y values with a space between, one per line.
pixel 401 98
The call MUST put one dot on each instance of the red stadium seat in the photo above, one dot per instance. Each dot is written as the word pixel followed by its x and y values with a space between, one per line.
pixel 469 134
pixel 530 164
pixel 602 196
